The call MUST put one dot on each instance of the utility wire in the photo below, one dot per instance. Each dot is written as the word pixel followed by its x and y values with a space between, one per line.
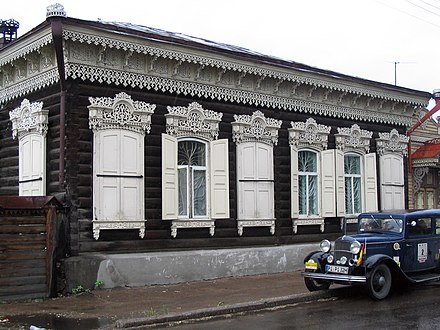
pixel 423 8
pixel 429 4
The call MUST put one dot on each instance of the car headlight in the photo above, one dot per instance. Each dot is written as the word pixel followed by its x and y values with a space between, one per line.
pixel 355 247
pixel 325 245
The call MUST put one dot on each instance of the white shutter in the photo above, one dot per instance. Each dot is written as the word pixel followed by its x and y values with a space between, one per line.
pixel 246 174
pixel 392 183
pixel 132 178
pixel 219 171
pixel 340 183
pixel 294 182
pixel 370 183
pixel 170 201
pixel 32 165
pixel 328 184
pixel 265 186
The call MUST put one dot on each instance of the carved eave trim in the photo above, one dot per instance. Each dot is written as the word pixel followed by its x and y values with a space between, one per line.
pixel 426 162
pixel 193 121
pixel 309 134
pixel 353 139
pixel 126 45
pixel 29 118
pixel 392 142
pixel 255 128
pixel 120 112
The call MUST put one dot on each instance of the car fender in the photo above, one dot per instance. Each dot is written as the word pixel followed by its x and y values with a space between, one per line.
pixel 318 257
pixel 376 259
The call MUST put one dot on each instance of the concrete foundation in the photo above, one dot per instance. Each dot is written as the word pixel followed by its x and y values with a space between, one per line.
pixel 140 269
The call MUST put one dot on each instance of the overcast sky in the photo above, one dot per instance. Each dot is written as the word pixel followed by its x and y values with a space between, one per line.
pixel 362 38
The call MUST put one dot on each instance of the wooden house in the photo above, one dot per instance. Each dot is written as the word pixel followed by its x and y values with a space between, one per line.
pixel 159 141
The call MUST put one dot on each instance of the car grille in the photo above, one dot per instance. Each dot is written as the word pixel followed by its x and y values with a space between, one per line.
pixel 342 248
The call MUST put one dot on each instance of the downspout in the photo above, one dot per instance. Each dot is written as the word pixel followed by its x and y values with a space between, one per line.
pixel 57 34
pixel 436 97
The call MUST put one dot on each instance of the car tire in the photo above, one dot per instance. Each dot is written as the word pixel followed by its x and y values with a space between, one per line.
pixel 379 282
pixel 316 285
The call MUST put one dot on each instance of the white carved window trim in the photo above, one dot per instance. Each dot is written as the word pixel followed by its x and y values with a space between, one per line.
pixel 392 147
pixel 250 132
pixel 29 125
pixel 354 140
pixel 116 115
pixel 195 123
pixel 310 135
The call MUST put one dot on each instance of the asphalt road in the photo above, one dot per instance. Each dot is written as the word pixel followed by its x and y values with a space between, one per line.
pixel 416 307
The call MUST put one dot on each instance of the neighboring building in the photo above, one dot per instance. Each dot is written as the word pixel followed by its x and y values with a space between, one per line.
pixel 157 141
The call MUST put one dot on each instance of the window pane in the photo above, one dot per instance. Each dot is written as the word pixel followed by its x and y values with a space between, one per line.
pixel 183 192
pixel 192 153
pixel 302 187
pixel 357 199
pixel 313 195
pixel 199 193
pixel 307 161
pixel 348 196
pixel 352 164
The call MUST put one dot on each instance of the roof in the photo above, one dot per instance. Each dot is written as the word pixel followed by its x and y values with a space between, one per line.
pixel 430 149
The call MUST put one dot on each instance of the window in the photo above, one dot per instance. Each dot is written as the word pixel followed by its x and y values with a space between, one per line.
pixel 195 166
pixel 119 127
pixel 192 179
pixel 29 123
pixel 308 180
pixel 420 226
pixel 353 183
pixel 255 137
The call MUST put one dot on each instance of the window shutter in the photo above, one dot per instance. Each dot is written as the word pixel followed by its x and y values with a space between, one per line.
pixel 219 170
pixel 132 166
pixel 265 186
pixel 392 184
pixel 340 183
pixel 294 182
pixel 170 202
pixel 328 184
pixel 247 190
pixel 370 183
pixel 32 159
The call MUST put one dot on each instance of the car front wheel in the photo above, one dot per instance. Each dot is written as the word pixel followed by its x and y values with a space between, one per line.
pixel 379 282
pixel 316 285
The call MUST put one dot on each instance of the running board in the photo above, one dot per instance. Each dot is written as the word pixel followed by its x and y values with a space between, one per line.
pixel 424 278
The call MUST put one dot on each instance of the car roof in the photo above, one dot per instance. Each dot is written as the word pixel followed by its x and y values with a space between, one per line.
pixel 404 213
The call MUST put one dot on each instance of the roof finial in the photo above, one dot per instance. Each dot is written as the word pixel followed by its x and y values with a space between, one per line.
pixel 55 10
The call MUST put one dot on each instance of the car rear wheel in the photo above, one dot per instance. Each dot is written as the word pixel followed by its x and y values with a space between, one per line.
pixel 316 285
pixel 379 282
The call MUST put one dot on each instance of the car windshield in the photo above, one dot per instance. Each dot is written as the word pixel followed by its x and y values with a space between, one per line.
pixel 380 224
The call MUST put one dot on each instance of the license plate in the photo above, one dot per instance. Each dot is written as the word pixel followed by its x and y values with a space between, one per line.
pixel 336 269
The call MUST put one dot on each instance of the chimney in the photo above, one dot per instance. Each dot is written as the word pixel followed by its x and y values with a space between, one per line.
pixel 8 31
pixel 436 95
pixel 56 10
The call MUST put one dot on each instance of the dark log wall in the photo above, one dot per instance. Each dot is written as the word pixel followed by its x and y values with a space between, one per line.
pixel 76 193
pixel 158 234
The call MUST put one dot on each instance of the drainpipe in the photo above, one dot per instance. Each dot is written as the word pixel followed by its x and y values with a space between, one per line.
pixel 57 34
pixel 436 97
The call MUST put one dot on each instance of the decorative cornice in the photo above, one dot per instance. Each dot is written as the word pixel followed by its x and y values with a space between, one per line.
pixel 392 142
pixel 226 65
pixel 255 128
pixel 308 134
pixel 120 112
pixel 144 81
pixel 22 52
pixel 426 162
pixel 29 118
pixel 193 121
pixel 353 139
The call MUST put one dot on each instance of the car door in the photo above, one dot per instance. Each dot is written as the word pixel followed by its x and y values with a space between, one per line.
pixel 420 250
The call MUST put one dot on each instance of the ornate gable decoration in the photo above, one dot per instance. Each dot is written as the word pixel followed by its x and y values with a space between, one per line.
pixel 309 134
pixel 120 112
pixel 28 118
pixel 392 142
pixel 255 128
pixel 353 139
pixel 193 121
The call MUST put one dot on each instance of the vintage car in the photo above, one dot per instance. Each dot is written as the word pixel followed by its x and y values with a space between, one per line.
pixel 388 247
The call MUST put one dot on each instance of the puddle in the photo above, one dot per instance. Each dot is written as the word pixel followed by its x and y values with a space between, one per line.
pixel 53 322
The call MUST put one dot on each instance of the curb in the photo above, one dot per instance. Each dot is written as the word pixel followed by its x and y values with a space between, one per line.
pixel 238 308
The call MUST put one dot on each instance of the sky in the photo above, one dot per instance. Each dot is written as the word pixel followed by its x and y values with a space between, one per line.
pixel 389 41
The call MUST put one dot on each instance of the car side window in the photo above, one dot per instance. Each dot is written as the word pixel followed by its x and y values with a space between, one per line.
pixel 420 226
pixel 437 226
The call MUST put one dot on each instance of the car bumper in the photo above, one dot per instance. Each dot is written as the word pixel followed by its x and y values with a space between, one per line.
pixel 348 279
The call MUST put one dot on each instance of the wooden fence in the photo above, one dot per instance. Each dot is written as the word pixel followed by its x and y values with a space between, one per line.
pixel 27 247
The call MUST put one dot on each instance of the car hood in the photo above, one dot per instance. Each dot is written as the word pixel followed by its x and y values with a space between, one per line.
pixel 373 237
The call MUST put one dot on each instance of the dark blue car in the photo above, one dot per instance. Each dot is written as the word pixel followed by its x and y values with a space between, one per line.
pixel 387 247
